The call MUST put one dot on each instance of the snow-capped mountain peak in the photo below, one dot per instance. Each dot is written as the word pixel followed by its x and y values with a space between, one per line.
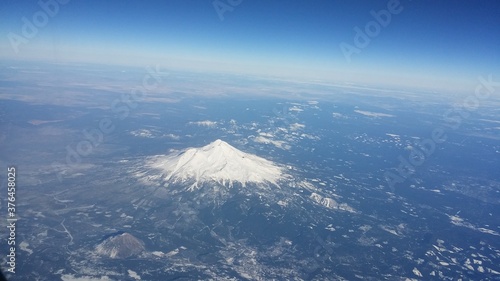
pixel 217 162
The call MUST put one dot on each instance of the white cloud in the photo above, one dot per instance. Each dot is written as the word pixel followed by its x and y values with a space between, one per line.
pixel 373 114
pixel 172 136
pixel 205 123
pixel 70 277
pixel 296 109
pixel 297 126
pixel 143 133
pixel 338 115
pixel 308 136
pixel 278 144
pixel 269 135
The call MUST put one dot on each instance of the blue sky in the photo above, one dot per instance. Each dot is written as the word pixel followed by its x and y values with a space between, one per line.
pixel 431 43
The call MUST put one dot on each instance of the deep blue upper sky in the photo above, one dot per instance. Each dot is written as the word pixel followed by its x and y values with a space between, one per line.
pixel 431 43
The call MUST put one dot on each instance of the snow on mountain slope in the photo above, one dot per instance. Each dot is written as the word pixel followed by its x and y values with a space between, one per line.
pixel 217 162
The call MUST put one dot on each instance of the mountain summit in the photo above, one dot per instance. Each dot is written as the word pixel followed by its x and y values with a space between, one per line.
pixel 217 162
pixel 120 245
